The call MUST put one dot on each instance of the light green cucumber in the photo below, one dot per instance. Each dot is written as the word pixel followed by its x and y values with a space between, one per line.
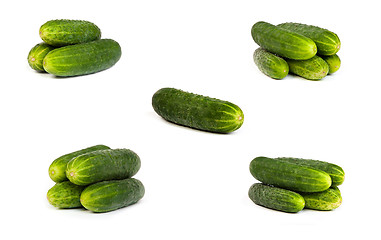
pixel 36 56
pixel 325 201
pixel 270 64
pixel 314 68
pixel 333 62
pixel 65 195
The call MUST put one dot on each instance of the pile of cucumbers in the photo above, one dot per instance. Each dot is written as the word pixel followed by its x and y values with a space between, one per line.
pixel 73 48
pixel 97 178
pixel 292 184
pixel 304 50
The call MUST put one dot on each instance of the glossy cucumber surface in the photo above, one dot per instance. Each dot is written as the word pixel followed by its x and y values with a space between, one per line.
pixel 37 54
pixel 325 201
pixel 314 68
pixel 65 195
pixel 333 62
pixel 270 64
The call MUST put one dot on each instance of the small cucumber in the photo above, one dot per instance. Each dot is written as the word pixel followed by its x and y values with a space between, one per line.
pixel 270 64
pixel 65 195
pixel 288 175
pixel 101 165
pixel 333 62
pixel 111 195
pixel 197 111
pixel 314 68
pixel 64 32
pixel 276 198
pixel 36 56
pixel 327 200
pixel 57 169
pixel 283 42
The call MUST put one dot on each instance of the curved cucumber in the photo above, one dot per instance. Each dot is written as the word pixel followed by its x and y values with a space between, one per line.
pixel 283 42
pixel 65 195
pixel 197 111
pixel 327 200
pixel 314 68
pixel 111 195
pixel 289 175
pixel 67 32
pixel 101 165
pixel 81 59
pixel 333 62
pixel 57 169
pixel 270 64
pixel 36 56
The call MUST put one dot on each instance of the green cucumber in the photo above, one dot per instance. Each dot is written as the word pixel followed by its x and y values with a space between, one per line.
pixel 111 195
pixel 197 111
pixel 84 58
pixel 57 169
pixel 64 32
pixel 325 201
pixel 333 62
pixel 36 56
pixel 335 172
pixel 327 42
pixel 288 175
pixel 276 198
pixel 101 165
pixel 314 68
pixel 270 64
pixel 283 42
pixel 65 195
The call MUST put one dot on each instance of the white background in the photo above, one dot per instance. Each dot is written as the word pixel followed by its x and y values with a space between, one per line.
pixel 196 182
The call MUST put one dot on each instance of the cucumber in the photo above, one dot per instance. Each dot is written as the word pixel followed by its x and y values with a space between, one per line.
pixel 327 42
pixel 84 58
pixel 36 56
pixel 333 62
pixel 270 64
pixel 65 195
pixel 57 169
pixel 276 198
pixel 314 68
pixel 325 201
pixel 283 42
pixel 64 32
pixel 288 175
pixel 335 172
pixel 111 195
pixel 197 111
pixel 101 165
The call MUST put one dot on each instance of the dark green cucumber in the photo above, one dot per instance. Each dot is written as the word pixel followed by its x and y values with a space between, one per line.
pixel 36 56
pixel 101 165
pixel 335 172
pixel 197 111
pixel 84 58
pixel 65 195
pixel 270 64
pixel 314 68
pixel 327 42
pixel 65 32
pixel 57 169
pixel 283 42
pixel 111 195
pixel 288 175
pixel 333 62
pixel 327 200
pixel 276 198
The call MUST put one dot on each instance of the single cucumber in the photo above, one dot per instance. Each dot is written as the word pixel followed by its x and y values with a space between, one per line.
pixel 65 195
pixel 101 165
pixel 84 58
pixel 335 172
pixel 327 42
pixel 64 32
pixel 111 195
pixel 333 62
pixel 57 169
pixel 289 175
pixel 314 68
pixel 327 200
pixel 36 56
pixel 283 42
pixel 276 198
pixel 270 64
pixel 197 111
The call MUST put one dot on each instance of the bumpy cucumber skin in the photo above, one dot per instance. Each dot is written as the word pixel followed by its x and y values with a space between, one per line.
pixel 327 42
pixel 314 68
pixel 325 201
pixel 283 42
pixel 111 195
pixel 270 64
pixel 82 59
pixel 65 195
pixel 289 175
pixel 276 198
pixel 57 169
pixel 102 165
pixel 65 32
pixel 333 62
pixel 197 111
pixel 37 54
pixel 335 172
